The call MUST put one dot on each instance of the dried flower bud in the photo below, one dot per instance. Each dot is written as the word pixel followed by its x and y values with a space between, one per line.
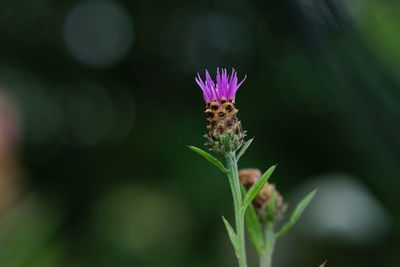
pixel 225 132
pixel 248 177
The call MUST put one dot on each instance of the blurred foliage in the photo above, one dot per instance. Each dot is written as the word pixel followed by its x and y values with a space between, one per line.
pixel 98 103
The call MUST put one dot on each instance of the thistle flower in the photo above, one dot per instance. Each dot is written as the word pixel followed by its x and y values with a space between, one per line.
pixel 248 177
pixel 225 133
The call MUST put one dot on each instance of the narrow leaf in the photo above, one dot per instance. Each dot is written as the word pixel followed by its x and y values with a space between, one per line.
pixel 244 148
pixel 323 264
pixel 243 191
pixel 210 158
pixel 232 234
pixel 297 213
pixel 256 188
pixel 254 229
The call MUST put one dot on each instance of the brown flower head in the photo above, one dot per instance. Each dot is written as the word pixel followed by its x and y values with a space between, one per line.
pixel 248 177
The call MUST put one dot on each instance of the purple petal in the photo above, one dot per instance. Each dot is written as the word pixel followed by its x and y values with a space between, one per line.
pixel 219 88
pixel 237 87
pixel 232 85
pixel 225 85
pixel 207 90
pixel 203 87
pixel 245 76
pixel 211 86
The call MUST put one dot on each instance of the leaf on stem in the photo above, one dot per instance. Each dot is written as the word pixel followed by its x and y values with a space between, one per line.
pixel 254 229
pixel 232 235
pixel 297 213
pixel 244 148
pixel 256 188
pixel 210 158
pixel 323 264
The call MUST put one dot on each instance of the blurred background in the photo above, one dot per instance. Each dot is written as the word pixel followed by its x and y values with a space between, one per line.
pixel 98 102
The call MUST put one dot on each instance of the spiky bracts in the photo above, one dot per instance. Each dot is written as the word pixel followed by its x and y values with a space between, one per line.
pixel 225 132
pixel 224 129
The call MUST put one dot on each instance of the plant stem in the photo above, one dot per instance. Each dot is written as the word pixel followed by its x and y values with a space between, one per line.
pixel 237 203
pixel 269 237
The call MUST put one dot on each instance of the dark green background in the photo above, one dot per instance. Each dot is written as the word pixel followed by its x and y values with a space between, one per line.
pixel 103 147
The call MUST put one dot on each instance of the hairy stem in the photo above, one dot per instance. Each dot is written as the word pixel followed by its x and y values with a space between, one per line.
pixel 237 202
pixel 269 237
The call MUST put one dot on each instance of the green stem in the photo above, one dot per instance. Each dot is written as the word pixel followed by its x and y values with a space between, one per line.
pixel 269 237
pixel 237 203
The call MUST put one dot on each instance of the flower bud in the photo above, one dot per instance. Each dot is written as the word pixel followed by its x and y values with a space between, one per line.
pixel 248 177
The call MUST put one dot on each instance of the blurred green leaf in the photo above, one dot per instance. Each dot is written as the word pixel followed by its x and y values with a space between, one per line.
pixel 323 264
pixel 210 158
pixel 254 229
pixel 256 188
pixel 27 234
pixel 297 213
pixel 232 234
pixel 244 148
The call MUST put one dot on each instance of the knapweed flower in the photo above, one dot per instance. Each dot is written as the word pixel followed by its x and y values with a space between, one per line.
pixel 225 132
pixel 248 177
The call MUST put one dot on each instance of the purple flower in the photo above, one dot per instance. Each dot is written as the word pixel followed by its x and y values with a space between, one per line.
pixel 226 86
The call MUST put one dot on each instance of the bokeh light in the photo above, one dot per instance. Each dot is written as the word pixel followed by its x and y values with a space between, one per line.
pixel 98 33
pixel 344 209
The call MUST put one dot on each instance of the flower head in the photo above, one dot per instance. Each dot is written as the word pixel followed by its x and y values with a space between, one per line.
pixel 225 87
pixel 225 132
pixel 248 177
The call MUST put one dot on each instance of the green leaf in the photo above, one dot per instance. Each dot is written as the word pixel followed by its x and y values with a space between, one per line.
pixel 323 264
pixel 232 235
pixel 254 229
pixel 297 213
pixel 243 191
pixel 256 188
pixel 210 158
pixel 244 148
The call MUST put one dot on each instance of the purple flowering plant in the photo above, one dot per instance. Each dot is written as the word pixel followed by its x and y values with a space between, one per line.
pixel 257 204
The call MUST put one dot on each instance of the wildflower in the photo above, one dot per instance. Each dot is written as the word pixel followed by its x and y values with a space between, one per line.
pixel 248 177
pixel 225 133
